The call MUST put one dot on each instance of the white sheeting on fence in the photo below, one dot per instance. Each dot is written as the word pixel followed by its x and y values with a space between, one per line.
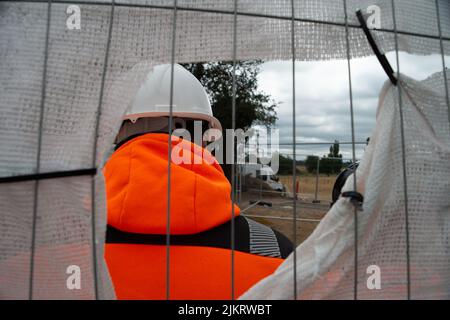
pixel 141 37
pixel 325 261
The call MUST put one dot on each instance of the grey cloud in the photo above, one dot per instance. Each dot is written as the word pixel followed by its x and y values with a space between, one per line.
pixel 322 97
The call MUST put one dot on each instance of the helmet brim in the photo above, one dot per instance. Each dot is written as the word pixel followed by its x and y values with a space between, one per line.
pixel 214 122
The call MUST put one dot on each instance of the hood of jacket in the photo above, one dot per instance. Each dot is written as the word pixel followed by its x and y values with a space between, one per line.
pixel 137 181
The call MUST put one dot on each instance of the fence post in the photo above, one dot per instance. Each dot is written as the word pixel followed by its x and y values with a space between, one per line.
pixel 239 168
pixel 317 181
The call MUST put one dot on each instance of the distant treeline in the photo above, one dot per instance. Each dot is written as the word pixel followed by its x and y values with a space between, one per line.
pixel 328 164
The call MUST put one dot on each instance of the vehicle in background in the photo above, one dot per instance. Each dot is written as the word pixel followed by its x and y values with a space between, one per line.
pixel 259 175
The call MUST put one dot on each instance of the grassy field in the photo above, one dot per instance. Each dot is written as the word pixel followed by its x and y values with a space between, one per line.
pixel 280 215
pixel 307 186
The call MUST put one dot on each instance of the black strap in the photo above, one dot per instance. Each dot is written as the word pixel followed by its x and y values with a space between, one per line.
pixel 355 197
pixel 381 57
pixel 286 246
pixel 49 175
pixel 218 237
pixel 340 181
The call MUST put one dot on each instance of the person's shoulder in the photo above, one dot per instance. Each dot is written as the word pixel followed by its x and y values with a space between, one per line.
pixel 285 244
pixel 267 241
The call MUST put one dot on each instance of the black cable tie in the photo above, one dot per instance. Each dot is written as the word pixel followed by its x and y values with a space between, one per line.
pixel 49 175
pixel 355 197
pixel 381 57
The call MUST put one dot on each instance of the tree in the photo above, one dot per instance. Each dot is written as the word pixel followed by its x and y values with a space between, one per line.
pixel 328 165
pixel 334 150
pixel 253 107
pixel 286 165
pixel 311 163
pixel 331 164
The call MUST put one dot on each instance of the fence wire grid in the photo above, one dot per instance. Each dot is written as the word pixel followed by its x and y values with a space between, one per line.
pixel 236 181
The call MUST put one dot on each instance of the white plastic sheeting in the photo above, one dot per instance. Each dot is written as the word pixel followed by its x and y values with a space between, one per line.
pixel 326 260
pixel 71 97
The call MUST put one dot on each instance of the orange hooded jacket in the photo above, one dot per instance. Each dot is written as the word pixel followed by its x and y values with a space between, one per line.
pixel 136 187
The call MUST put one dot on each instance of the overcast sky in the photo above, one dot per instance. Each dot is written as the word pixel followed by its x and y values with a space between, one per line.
pixel 322 97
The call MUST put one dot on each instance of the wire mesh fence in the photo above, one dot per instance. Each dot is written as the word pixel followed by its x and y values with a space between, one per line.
pixel 293 202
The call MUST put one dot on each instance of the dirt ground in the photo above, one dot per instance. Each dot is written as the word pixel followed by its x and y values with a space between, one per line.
pixel 307 186
pixel 280 215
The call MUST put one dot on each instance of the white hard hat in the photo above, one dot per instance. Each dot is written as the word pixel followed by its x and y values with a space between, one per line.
pixel 189 97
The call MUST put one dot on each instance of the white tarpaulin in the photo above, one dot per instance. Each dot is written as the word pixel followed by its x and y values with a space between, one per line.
pixel 326 260
pixel 62 98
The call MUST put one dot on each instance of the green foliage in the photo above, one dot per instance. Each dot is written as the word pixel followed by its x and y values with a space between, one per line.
pixel 285 165
pixel 330 165
pixel 311 164
pixel 253 107
pixel 334 150
pixel 327 165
